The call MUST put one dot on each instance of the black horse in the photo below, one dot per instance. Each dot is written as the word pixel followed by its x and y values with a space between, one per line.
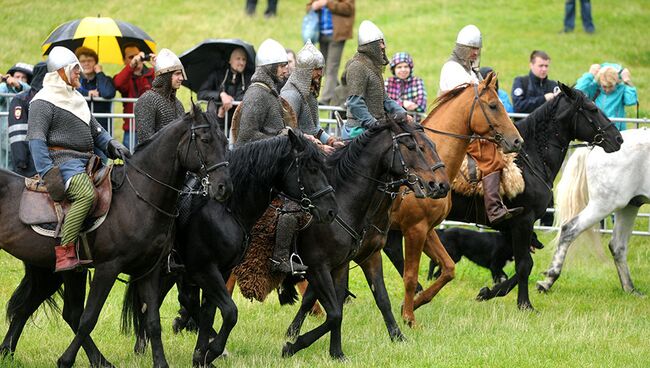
pixel 367 175
pixel 216 235
pixel 547 132
pixel 136 234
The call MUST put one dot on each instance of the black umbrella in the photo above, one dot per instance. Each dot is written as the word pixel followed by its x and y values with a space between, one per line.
pixel 211 55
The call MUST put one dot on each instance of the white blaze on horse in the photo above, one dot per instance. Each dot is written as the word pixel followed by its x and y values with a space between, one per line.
pixel 595 184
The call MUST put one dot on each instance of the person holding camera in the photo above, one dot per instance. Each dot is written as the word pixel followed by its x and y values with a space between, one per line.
pixel 610 87
pixel 133 81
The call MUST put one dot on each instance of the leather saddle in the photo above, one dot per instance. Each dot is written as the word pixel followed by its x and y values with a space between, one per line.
pixel 36 206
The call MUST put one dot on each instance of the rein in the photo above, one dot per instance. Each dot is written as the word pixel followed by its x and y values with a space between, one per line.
pixel 498 137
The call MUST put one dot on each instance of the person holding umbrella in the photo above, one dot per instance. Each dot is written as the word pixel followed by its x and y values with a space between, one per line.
pixel 227 84
pixel 159 106
pixel 62 133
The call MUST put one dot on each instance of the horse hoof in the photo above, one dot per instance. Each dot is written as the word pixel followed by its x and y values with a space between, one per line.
pixel 634 292
pixel 140 347
pixel 5 352
pixel 526 307
pixel 287 350
pixel 340 357
pixel 397 336
pixel 542 287
pixel 483 294
pixel 63 363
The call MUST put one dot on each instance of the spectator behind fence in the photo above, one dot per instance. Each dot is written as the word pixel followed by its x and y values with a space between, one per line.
pixel 531 91
pixel 94 83
pixel 405 88
pixel 18 115
pixel 271 8
pixel 227 85
pixel 570 16
pixel 503 95
pixel 134 80
pixel 16 80
pixel 610 87
pixel 291 56
pixel 336 19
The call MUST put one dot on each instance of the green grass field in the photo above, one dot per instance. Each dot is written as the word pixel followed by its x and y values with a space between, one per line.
pixel 586 321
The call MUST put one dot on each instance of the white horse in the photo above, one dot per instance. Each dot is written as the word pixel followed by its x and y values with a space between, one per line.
pixel 595 184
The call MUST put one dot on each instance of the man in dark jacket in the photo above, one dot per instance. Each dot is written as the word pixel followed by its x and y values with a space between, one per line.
pixel 531 91
pixel 18 114
pixel 228 84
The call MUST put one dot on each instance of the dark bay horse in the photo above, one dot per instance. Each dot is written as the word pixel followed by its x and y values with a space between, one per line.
pixel 367 175
pixel 136 234
pixel 547 132
pixel 216 236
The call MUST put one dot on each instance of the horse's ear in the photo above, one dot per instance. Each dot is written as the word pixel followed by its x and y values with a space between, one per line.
pixel 212 108
pixel 566 89
pixel 296 142
pixel 192 114
pixel 490 79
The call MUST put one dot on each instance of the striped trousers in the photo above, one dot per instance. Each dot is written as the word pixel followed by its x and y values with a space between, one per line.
pixel 81 193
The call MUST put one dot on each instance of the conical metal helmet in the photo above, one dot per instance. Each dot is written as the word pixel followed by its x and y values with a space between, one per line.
pixel 167 61
pixel 309 57
pixel 470 36
pixel 369 32
pixel 60 57
pixel 271 52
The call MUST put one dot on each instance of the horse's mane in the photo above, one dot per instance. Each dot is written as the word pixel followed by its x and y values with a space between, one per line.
pixel 254 164
pixel 344 162
pixel 538 124
pixel 448 96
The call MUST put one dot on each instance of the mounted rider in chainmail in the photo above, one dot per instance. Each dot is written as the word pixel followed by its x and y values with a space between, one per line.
pixel 154 110
pixel 263 116
pixel 461 68
pixel 159 106
pixel 367 101
pixel 262 113
pixel 62 134
pixel 301 92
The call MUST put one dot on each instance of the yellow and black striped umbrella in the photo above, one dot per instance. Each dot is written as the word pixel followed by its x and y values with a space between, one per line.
pixel 104 35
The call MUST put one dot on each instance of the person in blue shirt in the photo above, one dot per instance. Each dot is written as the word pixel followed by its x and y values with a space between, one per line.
pixel 95 83
pixel 503 95
pixel 610 87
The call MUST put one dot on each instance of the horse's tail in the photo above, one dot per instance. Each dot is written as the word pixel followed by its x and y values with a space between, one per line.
pixel 287 293
pixel 130 309
pixel 571 194
pixel 36 282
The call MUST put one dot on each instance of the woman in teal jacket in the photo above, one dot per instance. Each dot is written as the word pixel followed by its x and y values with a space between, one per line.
pixel 610 87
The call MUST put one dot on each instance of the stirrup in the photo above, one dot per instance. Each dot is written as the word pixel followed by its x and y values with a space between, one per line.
pixel 291 257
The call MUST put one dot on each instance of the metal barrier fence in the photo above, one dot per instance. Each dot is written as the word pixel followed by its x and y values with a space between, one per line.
pixel 330 124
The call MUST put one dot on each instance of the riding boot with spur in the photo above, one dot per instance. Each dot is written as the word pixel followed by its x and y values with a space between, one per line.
pixel 66 257
pixel 494 207
pixel 282 260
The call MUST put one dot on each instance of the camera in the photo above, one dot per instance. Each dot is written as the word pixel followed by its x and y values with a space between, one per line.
pixel 146 57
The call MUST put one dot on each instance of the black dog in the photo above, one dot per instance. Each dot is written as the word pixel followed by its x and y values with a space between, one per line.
pixel 486 249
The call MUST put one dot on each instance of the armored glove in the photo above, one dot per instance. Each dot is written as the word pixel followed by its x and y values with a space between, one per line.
pixel 54 183
pixel 117 150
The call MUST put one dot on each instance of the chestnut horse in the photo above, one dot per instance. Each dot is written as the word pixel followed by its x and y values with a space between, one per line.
pixel 469 111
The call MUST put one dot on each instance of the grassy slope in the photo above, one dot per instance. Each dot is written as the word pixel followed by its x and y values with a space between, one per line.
pixel 586 322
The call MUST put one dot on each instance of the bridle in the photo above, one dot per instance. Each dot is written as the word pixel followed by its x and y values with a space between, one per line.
pixel 390 188
pixel 497 138
pixel 204 169
pixel 599 137
pixel 305 201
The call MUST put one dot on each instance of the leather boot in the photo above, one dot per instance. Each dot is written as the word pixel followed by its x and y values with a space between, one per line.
pixel 66 257
pixel 281 260
pixel 494 207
